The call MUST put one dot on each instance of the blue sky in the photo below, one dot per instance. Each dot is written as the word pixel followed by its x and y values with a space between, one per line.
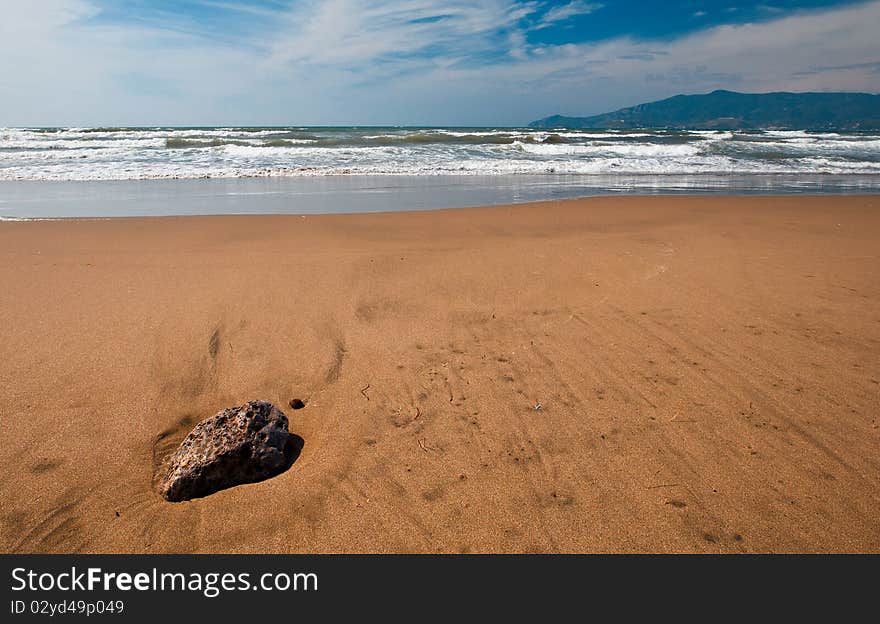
pixel 431 62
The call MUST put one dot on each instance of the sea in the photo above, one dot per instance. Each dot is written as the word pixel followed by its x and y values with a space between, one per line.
pixel 107 172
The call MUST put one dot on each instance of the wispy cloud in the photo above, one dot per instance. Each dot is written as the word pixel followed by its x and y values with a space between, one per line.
pixel 358 33
pixel 242 7
pixel 400 61
pixel 562 13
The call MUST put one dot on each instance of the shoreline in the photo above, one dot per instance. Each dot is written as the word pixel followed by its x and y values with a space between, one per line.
pixel 379 194
pixel 707 369
pixel 813 196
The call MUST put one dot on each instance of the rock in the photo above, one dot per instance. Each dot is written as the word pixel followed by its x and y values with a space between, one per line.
pixel 235 446
pixel 554 139
pixel 297 404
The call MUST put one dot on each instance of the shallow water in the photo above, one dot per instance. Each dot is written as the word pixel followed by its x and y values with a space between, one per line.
pixel 370 193
pixel 98 172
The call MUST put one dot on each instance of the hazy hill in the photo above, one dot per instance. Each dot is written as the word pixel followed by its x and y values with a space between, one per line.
pixel 731 110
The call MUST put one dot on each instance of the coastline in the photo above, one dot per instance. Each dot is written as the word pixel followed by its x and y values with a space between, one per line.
pixel 706 366
pixel 363 194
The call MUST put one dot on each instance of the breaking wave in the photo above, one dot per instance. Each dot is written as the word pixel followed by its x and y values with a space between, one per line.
pixel 119 153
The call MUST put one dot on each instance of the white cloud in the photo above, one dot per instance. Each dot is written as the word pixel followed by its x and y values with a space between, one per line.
pixel 565 12
pixel 401 61
pixel 363 32
pixel 816 51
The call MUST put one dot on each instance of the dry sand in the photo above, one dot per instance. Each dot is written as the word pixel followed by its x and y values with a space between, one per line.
pixel 707 369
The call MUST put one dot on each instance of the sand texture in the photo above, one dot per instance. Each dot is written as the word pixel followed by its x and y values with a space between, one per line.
pixel 707 371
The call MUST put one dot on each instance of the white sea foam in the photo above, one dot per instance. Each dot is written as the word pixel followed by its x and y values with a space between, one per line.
pixel 155 153
pixel 3 218
pixel 606 148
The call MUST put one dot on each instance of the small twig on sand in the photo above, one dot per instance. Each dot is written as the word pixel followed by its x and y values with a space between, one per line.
pixel 425 447
pixel 418 413
pixel 662 485
pixel 364 391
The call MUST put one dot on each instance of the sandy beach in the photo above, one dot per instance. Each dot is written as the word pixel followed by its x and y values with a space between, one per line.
pixel 706 368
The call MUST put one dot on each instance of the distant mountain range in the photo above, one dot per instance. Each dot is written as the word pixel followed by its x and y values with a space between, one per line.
pixel 729 110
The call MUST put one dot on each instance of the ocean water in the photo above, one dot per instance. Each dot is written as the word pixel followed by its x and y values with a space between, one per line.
pixel 128 171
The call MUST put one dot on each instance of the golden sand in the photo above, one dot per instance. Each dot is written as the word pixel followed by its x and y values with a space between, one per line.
pixel 707 372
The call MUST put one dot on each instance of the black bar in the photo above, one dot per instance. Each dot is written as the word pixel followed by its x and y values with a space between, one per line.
pixel 419 587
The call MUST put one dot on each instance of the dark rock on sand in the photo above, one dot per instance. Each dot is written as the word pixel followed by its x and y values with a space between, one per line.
pixel 235 446
pixel 297 404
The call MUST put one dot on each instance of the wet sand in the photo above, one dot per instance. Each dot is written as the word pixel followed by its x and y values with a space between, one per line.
pixel 707 371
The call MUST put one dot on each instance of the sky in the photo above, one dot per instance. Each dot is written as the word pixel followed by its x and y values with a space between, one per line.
pixel 411 62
